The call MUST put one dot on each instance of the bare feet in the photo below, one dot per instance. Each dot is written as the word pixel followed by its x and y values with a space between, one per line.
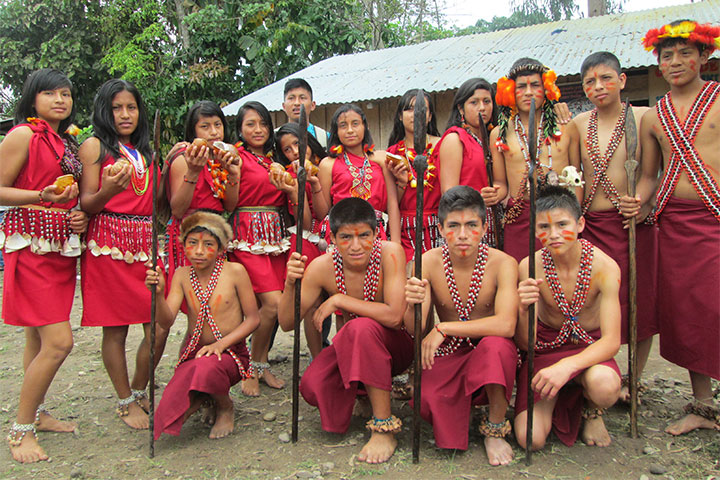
pixel 271 380
pixel 595 433
pixel 379 448
pixel 136 417
pixel 251 386
pixel 499 452
pixel 362 407
pixel 29 450
pixel 144 402
pixel 48 423
pixel 689 423
pixel 224 419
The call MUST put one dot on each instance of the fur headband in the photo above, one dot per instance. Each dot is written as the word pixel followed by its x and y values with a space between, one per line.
pixel 212 222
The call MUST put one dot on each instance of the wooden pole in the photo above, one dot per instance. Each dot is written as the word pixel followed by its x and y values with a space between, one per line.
pixel 494 211
pixel 532 148
pixel 153 293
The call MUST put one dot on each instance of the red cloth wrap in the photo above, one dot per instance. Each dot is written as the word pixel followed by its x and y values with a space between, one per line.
pixel 114 292
pixel 342 181
pixel 689 292
pixel 517 234
pixel 363 352
pixel 473 172
pixel 454 384
pixel 309 249
pixel 567 415
pixel 604 229
pixel 266 272
pixel 205 375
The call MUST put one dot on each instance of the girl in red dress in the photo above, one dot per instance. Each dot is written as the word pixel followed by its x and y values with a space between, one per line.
pixel 39 234
pixel 116 189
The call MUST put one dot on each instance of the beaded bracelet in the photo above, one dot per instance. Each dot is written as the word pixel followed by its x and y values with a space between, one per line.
pixel 231 183
pixel 40 195
pixel 185 179
pixel 437 327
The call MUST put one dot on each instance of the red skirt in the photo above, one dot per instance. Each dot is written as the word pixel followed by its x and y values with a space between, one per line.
pixel 363 352
pixel 604 229
pixel 454 384
pixel 266 272
pixel 567 415
pixel 517 234
pixel 689 287
pixel 206 375
pixel 37 289
pixel 114 292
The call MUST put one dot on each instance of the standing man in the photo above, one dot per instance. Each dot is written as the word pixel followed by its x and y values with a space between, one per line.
pixel 298 92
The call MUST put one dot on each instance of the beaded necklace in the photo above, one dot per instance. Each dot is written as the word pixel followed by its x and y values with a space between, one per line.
pixel 204 314
pixel 600 162
pixel 570 329
pixel 410 154
pixel 264 161
pixel 361 187
pixel 513 212
pixel 372 275
pixel 140 178
pixel 684 155
pixel 463 311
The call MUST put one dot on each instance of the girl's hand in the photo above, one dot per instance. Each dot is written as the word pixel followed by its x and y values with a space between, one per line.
pixel 231 163
pixel 196 159
pixel 116 183
pixel 78 221
pixel 48 194
pixel 399 171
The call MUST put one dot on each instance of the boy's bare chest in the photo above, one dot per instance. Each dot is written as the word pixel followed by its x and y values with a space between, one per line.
pixel 447 299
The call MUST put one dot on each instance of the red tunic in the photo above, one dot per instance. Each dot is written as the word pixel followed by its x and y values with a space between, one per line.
pixel 604 229
pixel 517 234
pixel 202 199
pixel 689 286
pixel 27 299
pixel 204 375
pixel 363 352
pixel 408 202
pixel 260 237
pixel 310 237
pixel 114 291
pixel 455 383
pixel 567 415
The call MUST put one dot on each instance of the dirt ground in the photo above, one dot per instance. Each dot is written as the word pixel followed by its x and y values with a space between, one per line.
pixel 104 448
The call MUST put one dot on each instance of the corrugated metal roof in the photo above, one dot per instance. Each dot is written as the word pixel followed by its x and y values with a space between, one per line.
pixel 444 64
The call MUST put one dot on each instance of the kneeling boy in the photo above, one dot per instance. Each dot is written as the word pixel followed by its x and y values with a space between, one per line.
pixel 469 357
pixel 215 358
pixel 364 278
pixel 578 328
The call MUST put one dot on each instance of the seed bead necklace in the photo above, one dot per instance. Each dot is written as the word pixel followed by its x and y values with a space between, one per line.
pixel 463 311
pixel 361 187
pixel 600 162
pixel 140 177
pixel 372 275
pixel 204 314
pixel 570 329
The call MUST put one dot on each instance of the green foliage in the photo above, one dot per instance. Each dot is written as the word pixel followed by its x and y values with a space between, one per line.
pixel 517 19
pixel 84 134
pixel 552 9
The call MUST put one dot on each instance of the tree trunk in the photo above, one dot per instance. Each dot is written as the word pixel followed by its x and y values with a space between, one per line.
pixel 184 32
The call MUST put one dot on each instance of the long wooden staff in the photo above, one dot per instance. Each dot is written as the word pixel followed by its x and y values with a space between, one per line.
pixel 153 292
pixel 631 165
pixel 532 148
pixel 494 210
pixel 420 165
pixel 301 180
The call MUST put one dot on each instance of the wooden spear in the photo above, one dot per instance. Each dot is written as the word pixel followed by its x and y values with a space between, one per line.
pixel 532 149
pixel 485 139
pixel 153 293
pixel 631 165
pixel 301 180
pixel 420 165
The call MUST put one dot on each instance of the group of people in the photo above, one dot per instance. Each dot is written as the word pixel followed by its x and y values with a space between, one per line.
pixel 236 278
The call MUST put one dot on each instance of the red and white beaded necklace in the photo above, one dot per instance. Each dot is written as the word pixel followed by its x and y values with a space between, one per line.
pixel 361 177
pixel 463 311
pixel 372 275
pixel 600 162
pixel 204 314
pixel 570 329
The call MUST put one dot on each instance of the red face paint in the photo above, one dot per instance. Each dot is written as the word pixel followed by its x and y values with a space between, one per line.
pixel 211 250
pixel 568 235
pixel 693 65
pixel 543 236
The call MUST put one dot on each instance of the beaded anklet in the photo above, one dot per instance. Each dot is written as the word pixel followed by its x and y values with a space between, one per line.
pixel 139 395
pixel 711 412
pixel 391 424
pixel 592 413
pixel 22 429
pixel 259 367
pixel 41 409
pixel 123 408
pixel 495 430
pixel 625 382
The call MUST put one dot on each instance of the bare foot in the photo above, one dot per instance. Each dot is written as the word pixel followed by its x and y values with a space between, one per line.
pixel 251 386
pixel 625 394
pixel 48 423
pixel 29 450
pixel 136 417
pixel 208 412
pixel 144 403
pixel 362 407
pixel 224 422
pixel 499 452
pixel 195 405
pixel 271 380
pixel 379 448
pixel 689 423
pixel 595 433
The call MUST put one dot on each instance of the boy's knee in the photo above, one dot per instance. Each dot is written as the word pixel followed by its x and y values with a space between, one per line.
pixel 604 388
pixel 538 440
pixel 59 348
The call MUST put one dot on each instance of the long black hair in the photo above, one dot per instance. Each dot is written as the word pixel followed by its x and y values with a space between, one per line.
pixel 264 115
pixel 40 81
pixel 103 120
pixel 405 103
pixel 335 140
pixel 295 130
pixel 204 108
pixel 466 91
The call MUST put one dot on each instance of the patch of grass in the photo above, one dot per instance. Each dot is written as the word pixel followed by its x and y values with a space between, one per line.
pixel 308 465
pixel 364 472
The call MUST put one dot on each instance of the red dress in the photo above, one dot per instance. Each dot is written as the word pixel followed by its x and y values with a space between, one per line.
pixel 311 237
pixel 408 202
pixel 39 281
pixel 113 266
pixel 261 242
